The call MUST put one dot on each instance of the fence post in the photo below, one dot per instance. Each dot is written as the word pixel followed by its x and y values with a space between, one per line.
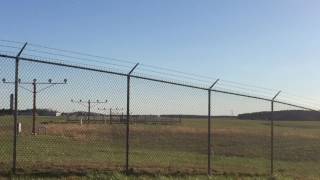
pixel 34 92
pixel 272 134
pixel 89 111
pixel 209 127
pixel 128 117
pixel 15 112
pixel 110 116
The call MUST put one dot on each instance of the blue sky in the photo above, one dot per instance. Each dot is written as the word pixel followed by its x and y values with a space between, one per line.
pixel 272 43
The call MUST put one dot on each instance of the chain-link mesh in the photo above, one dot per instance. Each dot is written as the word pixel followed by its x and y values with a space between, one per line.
pixel 67 136
pixel 168 128
pixel 7 67
pixel 297 145
pixel 240 136
pixel 80 125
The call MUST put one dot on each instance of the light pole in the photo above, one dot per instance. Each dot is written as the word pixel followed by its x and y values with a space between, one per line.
pixel 89 103
pixel 105 111
pixel 117 111
pixel 34 91
pixel 120 110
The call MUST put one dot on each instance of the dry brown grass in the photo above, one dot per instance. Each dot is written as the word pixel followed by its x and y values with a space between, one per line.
pixel 293 134
pixel 76 130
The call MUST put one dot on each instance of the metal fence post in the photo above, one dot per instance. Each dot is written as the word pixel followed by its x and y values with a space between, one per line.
pixel 209 90
pixel 110 116
pixel 128 117
pixel 272 135
pixel 89 111
pixel 209 127
pixel 15 112
pixel 34 108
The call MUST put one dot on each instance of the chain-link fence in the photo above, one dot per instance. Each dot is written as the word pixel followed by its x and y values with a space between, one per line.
pixel 297 145
pixel 75 119
pixel 169 141
pixel 6 124
pixel 241 144
pixel 67 137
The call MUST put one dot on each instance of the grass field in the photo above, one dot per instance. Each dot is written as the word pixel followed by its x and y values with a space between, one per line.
pixel 121 176
pixel 241 148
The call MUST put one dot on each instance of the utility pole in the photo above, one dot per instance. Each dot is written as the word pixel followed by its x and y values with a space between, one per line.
pixel 89 104
pixel 34 91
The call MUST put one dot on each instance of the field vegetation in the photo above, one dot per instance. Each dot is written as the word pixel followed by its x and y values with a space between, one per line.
pixel 241 148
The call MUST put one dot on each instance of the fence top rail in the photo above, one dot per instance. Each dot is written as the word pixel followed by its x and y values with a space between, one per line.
pixel 155 80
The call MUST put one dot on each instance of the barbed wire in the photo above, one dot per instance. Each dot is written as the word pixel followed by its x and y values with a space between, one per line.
pixel 171 71
pixel 9 41
pixel 270 94
pixel 63 61
pixel 78 58
pixel 169 74
pixel 8 46
pixel 84 54
pixel 8 52
pixel 149 70
pixel 165 71
pixel 170 79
